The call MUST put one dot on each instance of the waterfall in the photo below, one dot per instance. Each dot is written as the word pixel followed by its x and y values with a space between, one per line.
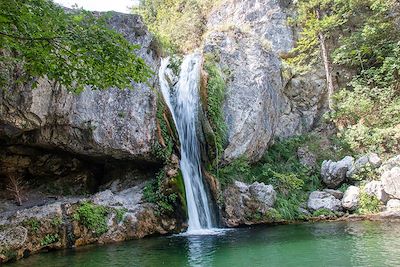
pixel 183 101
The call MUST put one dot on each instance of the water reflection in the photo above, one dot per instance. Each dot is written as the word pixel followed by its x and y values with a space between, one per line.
pixel 201 250
pixel 320 244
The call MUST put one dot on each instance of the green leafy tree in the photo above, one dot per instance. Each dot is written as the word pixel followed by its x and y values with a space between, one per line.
pixel 74 48
pixel 317 19
pixel 179 24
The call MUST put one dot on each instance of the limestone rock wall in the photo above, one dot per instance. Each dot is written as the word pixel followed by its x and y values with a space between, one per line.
pixel 263 99
pixel 116 123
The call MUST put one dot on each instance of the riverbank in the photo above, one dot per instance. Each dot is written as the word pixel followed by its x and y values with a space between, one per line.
pixel 310 244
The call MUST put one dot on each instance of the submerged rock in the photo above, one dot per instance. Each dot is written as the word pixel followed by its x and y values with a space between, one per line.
pixel 334 173
pixel 248 204
pixel 323 200
pixel 351 198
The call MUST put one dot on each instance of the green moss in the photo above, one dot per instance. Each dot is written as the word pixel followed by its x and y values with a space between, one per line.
pixel 216 88
pixel 92 216
pixel 180 185
pixel 154 193
pixel 33 224
pixel 10 254
pixel 49 239
pixel 56 221
pixel 119 214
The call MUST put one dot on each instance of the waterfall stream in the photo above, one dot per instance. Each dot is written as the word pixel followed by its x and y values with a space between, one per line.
pixel 183 101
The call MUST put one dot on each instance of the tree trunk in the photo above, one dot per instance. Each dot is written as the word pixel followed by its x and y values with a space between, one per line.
pixel 327 64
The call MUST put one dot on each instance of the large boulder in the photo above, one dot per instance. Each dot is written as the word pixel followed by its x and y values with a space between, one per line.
pixel 263 99
pixel 351 198
pixel 334 173
pixel 375 188
pixel 391 182
pixel 248 204
pixel 323 200
pixel 109 123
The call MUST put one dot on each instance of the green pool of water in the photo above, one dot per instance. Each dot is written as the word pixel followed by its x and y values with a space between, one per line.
pixel 318 244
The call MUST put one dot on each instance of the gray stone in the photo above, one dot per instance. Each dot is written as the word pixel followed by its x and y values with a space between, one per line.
pixel 334 173
pixel 375 188
pixel 391 182
pixel 393 204
pixel 390 163
pixel 264 193
pixel 323 200
pixel 13 238
pixel 263 100
pixel 371 160
pixel 114 123
pixel 351 198
pixel 306 157
pixel 336 193
pixel 247 204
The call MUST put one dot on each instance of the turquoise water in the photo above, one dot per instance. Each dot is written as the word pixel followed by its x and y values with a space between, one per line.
pixel 318 244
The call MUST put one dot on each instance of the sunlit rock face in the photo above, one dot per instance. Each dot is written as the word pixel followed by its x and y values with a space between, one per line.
pixel 263 100
pixel 116 123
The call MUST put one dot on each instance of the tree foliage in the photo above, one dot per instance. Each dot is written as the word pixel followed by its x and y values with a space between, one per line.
pixel 179 24
pixel 75 48
pixel 364 39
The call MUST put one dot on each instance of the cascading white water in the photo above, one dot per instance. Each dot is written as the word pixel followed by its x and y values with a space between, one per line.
pixel 183 101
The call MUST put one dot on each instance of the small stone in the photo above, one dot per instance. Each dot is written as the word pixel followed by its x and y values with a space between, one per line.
pixel 393 204
pixel 306 157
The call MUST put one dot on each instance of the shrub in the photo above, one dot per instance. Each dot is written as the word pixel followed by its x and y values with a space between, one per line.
pixel 368 204
pixel 92 216
pixel 154 193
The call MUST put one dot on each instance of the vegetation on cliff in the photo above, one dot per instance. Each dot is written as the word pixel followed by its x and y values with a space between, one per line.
pixel 362 38
pixel 75 48
pixel 178 24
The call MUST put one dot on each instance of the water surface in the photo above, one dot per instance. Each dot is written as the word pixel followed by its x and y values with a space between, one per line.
pixel 318 244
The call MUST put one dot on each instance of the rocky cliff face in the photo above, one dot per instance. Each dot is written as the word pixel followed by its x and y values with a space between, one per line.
pixel 58 148
pixel 116 123
pixel 263 100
